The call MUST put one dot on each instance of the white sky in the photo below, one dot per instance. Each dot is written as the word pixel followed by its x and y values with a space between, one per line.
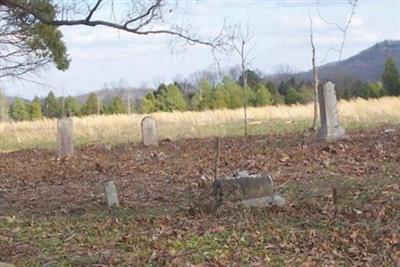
pixel 281 35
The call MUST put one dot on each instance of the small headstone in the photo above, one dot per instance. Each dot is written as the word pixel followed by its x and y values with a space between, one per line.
pixel 4 264
pixel 65 140
pixel 111 194
pixel 264 201
pixel 331 130
pixel 249 190
pixel 149 131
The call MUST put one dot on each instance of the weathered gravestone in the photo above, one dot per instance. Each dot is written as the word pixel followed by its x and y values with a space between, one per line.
pixel 149 131
pixel 250 190
pixel 111 194
pixel 65 140
pixel 331 130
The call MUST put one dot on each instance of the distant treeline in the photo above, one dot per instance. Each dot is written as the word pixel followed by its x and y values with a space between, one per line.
pixel 227 93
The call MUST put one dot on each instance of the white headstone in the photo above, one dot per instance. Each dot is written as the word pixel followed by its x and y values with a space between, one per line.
pixel 65 140
pixel 149 131
pixel 111 194
pixel 331 130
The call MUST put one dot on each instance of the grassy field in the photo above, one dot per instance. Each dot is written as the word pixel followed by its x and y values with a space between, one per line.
pixel 53 212
pixel 117 129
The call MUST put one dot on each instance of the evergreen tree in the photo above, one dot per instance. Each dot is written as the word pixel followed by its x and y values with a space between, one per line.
pixel 371 90
pixel 293 97
pixel 220 98
pixel 391 78
pixel 92 105
pixel 233 92
pixel 203 98
pixel 71 106
pixel 36 109
pixel 376 90
pixel 252 79
pixel 195 101
pixel 148 104
pixel 52 107
pixel 19 110
pixel 171 98
pixel 117 106
pixel 307 93
pixel 276 97
pixel 263 96
pixel 283 88
pixel 161 95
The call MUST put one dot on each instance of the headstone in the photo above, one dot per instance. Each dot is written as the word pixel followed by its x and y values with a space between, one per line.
pixel 65 140
pixel 250 190
pixel 264 201
pixel 111 194
pixel 331 130
pixel 4 264
pixel 149 131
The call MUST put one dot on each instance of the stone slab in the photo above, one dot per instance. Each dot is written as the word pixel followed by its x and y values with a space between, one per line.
pixel 149 131
pixel 111 194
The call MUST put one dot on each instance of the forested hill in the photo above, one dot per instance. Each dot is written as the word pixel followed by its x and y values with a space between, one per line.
pixel 366 66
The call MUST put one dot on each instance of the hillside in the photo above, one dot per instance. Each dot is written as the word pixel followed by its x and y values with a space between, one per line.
pixel 106 95
pixel 366 66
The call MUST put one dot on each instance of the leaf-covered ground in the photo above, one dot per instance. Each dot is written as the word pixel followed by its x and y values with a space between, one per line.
pixel 52 212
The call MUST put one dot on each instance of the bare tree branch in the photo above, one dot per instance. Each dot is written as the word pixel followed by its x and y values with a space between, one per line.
pixel 96 6
pixel 141 17
pixel 343 29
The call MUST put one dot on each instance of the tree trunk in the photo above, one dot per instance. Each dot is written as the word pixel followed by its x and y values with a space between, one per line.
pixel 316 80
pixel 244 75
pixel 129 102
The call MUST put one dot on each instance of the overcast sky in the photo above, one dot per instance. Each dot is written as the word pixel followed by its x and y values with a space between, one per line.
pixel 281 34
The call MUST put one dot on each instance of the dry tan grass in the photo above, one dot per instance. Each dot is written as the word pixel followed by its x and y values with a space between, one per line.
pixel 123 128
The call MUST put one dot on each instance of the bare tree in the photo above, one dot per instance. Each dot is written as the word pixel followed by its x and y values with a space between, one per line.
pixel 3 106
pixel 211 76
pixel 141 17
pixel 283 72
pixel 343 29
pixel 235 72
pixel 315 76
pixel 241 44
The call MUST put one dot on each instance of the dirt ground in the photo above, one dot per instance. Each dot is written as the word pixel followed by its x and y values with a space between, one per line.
pixel 359 226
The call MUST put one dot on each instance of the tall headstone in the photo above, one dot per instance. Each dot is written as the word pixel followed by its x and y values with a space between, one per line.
pixel 65 139
pixel 111 194
pixel 149 131
pixel 331 130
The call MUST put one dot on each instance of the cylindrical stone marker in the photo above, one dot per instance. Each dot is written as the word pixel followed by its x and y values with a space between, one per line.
pixel 111 194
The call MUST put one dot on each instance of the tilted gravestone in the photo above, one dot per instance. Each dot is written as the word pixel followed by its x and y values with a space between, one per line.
pixel 149 131
pixel 111 194
pixel 250 190
pixel 331 130
pixel 65 140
